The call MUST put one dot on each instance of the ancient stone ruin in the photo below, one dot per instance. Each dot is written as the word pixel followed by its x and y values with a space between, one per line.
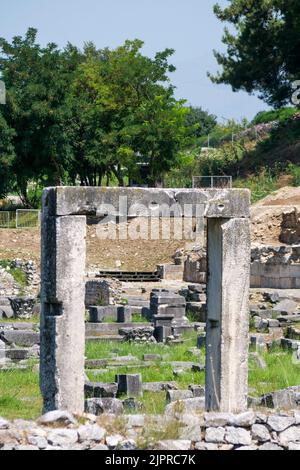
pixel 63 286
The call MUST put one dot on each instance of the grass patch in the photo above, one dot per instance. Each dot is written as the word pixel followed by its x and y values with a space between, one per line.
pixel 104 349
pixel 35 319
pixel 20 395
pixel 138 318
pixel 260 186
pixel 280 372
pixel 109 320
pixel 154 373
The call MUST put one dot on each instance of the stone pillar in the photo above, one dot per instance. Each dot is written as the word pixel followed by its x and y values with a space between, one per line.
pixel 227 314
pixel 130 385
pixel 62 315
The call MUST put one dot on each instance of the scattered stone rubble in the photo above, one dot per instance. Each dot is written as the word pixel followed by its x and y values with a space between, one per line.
pixel 10 288
pixel 60 430
pixel 290 227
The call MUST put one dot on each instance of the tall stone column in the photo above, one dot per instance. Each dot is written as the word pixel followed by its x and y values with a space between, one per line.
pixel 228 314
pixel 62 316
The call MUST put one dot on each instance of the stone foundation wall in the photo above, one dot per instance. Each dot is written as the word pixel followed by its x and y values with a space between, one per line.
pixel 170 271
pixel 102 292
pixel 275 267
pixel 59 430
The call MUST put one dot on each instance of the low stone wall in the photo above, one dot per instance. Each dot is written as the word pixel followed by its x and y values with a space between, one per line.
pixel 59 430
pixel 102 291
pixel 193 273
pixel 170 271
pixel 275 267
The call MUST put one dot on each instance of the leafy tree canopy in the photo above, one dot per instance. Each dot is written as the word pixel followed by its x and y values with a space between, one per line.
pixel 263 43
pixel 82 117
pixel 202 121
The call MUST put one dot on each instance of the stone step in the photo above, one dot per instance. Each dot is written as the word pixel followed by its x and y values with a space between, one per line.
pixel 24 338
pixel 100 329
pixel 116 338
pixel 128 276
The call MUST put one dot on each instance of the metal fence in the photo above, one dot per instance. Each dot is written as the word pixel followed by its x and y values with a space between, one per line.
pixel 4 219
pixel 216 182
pixel 27 218
pixel 21 218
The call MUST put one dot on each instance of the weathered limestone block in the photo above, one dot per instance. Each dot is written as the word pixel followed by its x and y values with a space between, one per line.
pixel 125 314
pixel 98 314
pixel 175 395
pixel 98 406
pixel 62 317
pixel 100 390
pixel 218 203
pixel 130 384
pixel 227 315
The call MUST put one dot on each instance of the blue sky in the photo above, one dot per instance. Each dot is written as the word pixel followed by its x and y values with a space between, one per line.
pixel 188 26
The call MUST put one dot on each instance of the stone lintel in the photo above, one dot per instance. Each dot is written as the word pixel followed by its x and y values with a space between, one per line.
pixel 147 202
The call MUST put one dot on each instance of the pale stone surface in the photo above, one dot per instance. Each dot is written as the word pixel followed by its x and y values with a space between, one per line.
pixel 270 446
pixel 38 441
pixel 293 446
pixel 227 315
pixel 260 433
pixel 127 444
pixel 191 432
pixel 91 433
pixel 57 417
pixel 244 420
pixel 218 419
pixel 174 445
pixel 62 316
pixel 191 405
pixel 174 395
pixel 280 423
pixel 98 406
pixel 297 417
pixel 136 421
pixel 237 436
pixel 206 446
pixel 291 434
pixel 62 437
pixel 215 434
pixel 114 440
pixel 223 203
pixel 3 423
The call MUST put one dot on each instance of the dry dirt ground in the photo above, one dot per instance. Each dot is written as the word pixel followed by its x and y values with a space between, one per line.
pixel 266 215
pixel 144 255
pixel 131 255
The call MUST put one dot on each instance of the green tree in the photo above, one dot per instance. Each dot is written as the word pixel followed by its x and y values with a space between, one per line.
pixel 128 113
pixel 263 44
pixel 37 81
pixel 200 122
pixel 7 157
